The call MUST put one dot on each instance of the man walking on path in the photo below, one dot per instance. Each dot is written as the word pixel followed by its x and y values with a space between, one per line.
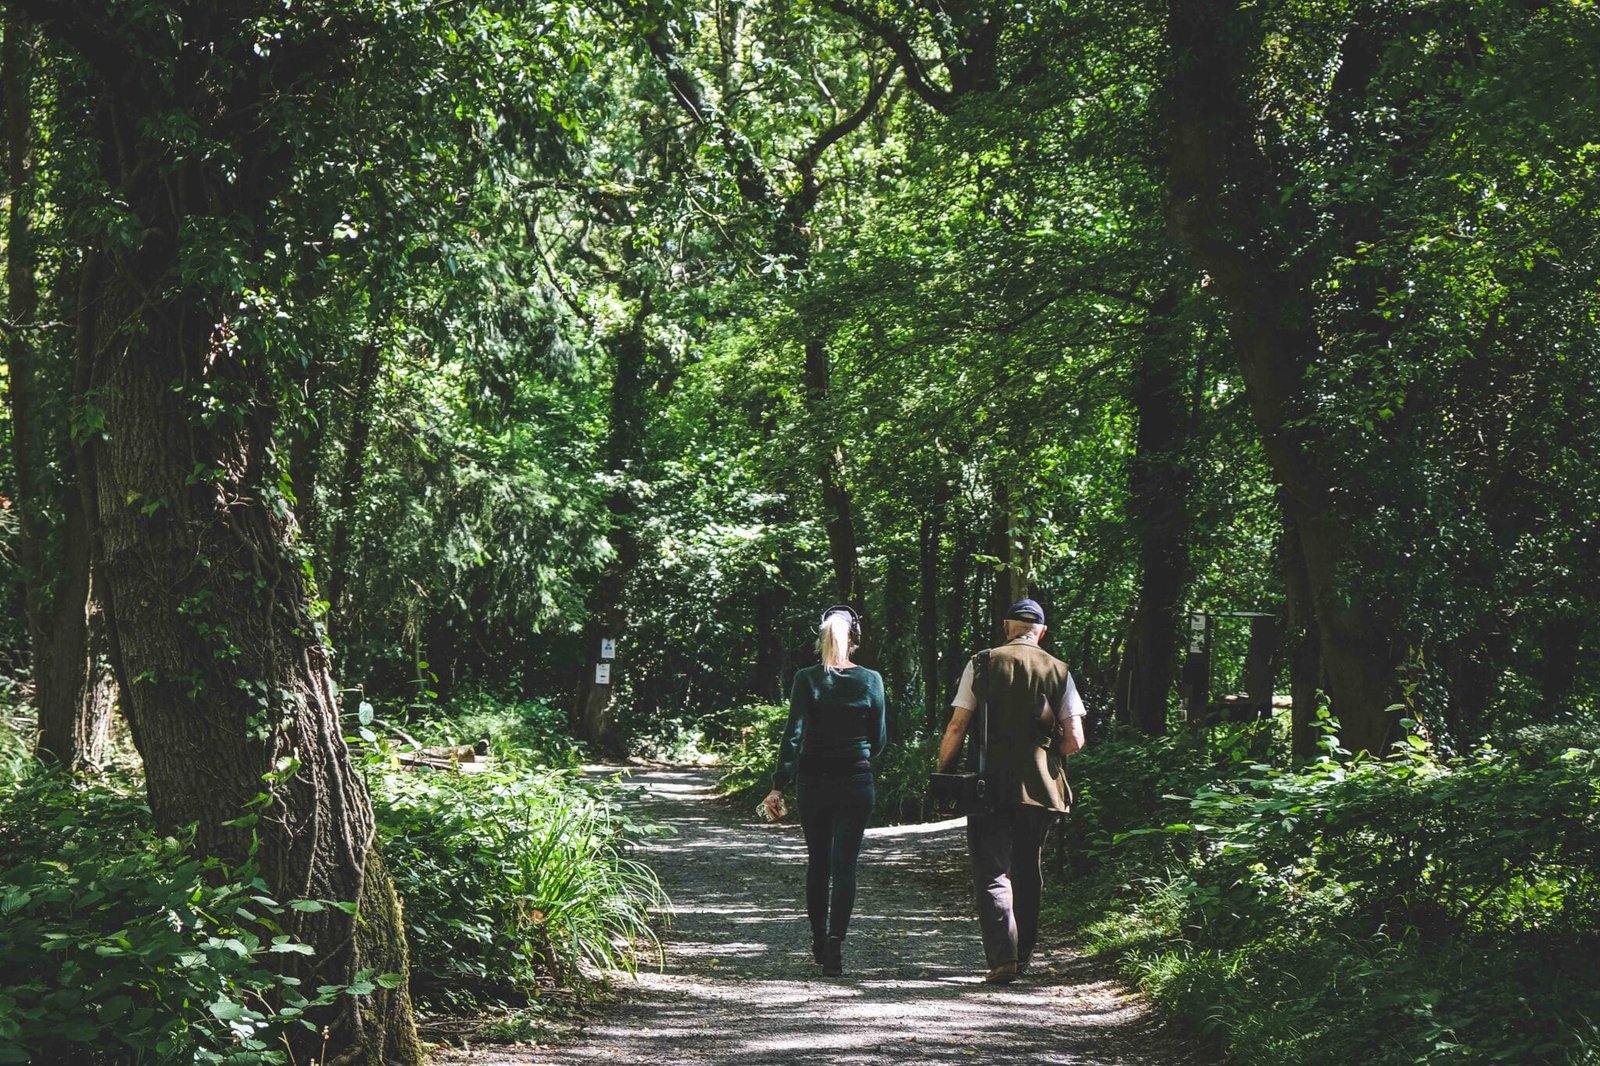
pixel 1035 719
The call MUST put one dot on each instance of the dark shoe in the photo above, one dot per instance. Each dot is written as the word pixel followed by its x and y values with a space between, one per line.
pixel 1003 974
pixel 819 946
pixel 1022 967
pixel 833 957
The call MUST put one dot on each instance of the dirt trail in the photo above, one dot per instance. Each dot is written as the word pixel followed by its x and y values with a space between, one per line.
pixel 739 988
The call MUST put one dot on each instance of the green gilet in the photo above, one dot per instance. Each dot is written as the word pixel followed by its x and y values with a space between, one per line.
pixel 1024 685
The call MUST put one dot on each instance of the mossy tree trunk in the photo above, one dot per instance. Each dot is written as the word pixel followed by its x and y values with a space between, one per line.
pixel 225 675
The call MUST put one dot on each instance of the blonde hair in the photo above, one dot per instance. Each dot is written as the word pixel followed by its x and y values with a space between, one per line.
pixel 833 640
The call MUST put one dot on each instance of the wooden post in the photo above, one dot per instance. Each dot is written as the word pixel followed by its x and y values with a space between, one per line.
pixel 1260 661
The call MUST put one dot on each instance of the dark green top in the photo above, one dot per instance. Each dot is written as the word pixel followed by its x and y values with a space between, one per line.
pixel 836 718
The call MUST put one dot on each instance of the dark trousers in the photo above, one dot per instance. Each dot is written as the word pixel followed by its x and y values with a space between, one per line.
pixel 834 813
pixel 1006 847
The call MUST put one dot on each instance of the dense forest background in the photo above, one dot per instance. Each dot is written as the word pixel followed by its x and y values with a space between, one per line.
pixel 367 363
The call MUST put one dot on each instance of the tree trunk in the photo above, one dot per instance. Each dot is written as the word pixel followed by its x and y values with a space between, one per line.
pixel 1305 664
pixel 74 689
pixel 928 613
pixel 837 509
pixel 230 692
pixel 1158 498
pixel 592 715
pixel 955 628
pixel 1009 582
pixel 772 651
pixel 1561 642
pixel 225 678
pixel 1122 688
pixel 1218 186
pixel 73 698
pixel 892 653
pixel 352 476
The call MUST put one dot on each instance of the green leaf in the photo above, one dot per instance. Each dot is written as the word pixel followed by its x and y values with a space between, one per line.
pixel 226 1010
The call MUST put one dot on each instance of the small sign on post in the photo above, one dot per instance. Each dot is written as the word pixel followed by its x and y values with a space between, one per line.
pixel 1194 682
pixel 608 647
pixel 602 673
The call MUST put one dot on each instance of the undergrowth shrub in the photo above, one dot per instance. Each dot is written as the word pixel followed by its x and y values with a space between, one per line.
pixel 512 879
pixel 118 945
pixel 18 726
pixel 747 750
pixel 902 777
pixel 1399 911
pixel 526 731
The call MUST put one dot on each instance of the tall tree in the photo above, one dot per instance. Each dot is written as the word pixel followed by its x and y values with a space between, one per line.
pixel 786 214
pixel 1158 497
pixel 1221 190
pixel 73 694
pixel 226 677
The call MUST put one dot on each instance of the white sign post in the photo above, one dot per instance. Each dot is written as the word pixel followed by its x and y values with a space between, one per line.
pixel 602 673
pixel 608 647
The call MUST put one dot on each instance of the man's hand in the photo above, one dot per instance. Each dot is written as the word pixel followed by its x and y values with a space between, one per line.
pixel 1072 737
pixel 774 805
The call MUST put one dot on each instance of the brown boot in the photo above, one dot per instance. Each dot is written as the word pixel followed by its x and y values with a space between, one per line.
pixel 1003 974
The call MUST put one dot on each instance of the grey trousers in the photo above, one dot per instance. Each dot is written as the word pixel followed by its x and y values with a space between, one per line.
pixel 1006 847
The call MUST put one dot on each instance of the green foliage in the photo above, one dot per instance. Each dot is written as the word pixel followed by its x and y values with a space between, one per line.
pixel 117 944
pixel 528 732
pixel 120 945
pixel 902 777
pixel 511 879
pixel 1386 912
pixel 745 742
pixel 533 339
pixel 17 726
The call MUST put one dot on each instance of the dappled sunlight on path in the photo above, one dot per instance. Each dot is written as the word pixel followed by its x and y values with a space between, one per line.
pixel 739 988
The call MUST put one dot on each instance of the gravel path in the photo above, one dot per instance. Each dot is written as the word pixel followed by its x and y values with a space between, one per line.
pixel 739 988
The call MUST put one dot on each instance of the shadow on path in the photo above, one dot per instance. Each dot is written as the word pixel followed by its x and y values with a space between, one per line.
pixel 739 988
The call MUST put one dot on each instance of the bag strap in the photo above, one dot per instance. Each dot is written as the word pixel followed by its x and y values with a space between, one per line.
pixel 980 688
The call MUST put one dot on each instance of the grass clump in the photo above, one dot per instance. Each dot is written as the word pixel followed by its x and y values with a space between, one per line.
pixel 514 881
pixel 1396 912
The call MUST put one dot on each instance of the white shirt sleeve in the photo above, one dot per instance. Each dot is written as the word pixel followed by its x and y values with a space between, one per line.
pixel 964 698
pixel 1071 703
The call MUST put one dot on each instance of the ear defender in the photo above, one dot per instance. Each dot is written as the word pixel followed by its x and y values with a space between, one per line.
pixel 855 619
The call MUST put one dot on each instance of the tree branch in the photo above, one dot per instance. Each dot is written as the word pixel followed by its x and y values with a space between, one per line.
pixel 849 124
pixel 81 26
pixel 754 184
pixel 938 99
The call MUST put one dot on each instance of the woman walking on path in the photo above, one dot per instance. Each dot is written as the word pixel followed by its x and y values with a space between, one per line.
pixel 837 725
